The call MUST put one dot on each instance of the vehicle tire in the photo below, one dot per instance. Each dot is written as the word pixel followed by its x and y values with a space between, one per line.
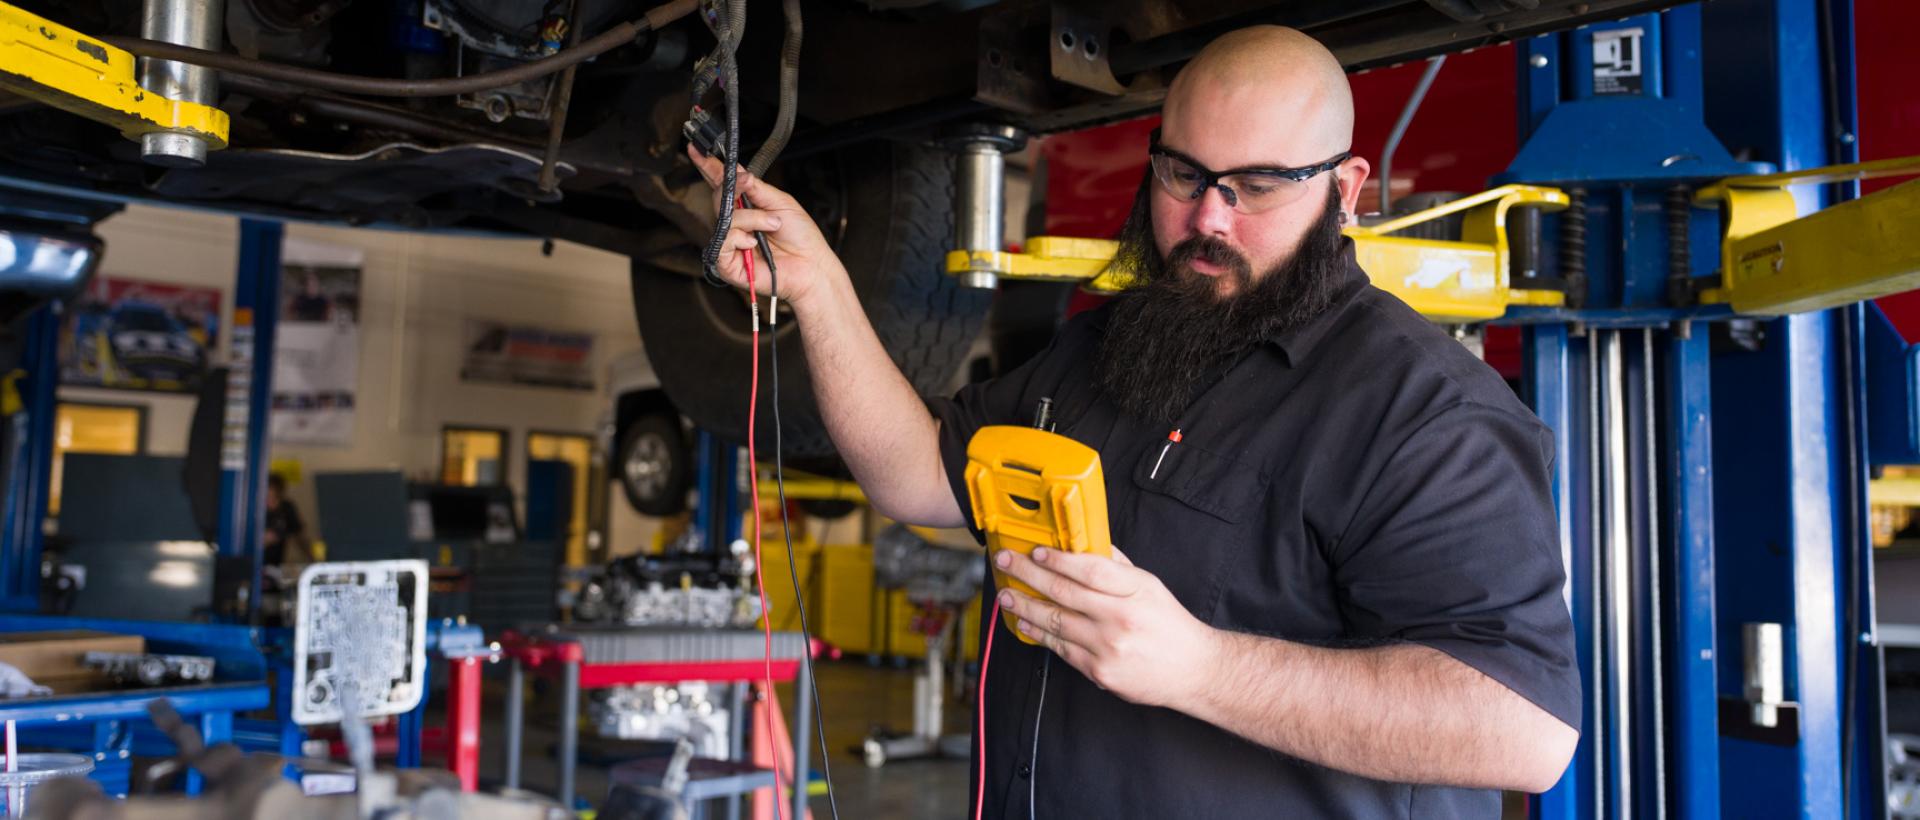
pixel 894 226
pixel 655 464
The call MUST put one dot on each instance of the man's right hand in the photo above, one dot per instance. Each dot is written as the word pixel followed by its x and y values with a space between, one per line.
pixel 879 424
pixel 799 249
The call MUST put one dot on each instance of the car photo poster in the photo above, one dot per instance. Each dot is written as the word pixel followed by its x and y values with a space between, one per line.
pixel 134 335
pixel 316 355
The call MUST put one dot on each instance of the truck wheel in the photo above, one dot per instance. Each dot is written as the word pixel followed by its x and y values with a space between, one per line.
pixel 895 220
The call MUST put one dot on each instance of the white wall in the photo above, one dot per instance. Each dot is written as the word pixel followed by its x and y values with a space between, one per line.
pixel 417 291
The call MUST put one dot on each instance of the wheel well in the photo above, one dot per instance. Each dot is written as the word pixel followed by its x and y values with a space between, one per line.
pixel 637 403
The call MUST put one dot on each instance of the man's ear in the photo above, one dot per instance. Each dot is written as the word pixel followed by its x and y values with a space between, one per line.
pixel 1350 176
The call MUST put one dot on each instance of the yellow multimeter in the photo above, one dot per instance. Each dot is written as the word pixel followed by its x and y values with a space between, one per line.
pixel 1031 488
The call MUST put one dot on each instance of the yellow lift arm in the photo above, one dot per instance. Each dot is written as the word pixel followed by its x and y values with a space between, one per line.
pixel 1774 261
pixel 1453 282
pixel 45 61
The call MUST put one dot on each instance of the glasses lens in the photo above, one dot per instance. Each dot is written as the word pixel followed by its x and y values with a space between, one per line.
pixel 1178 177
pixel 1261 192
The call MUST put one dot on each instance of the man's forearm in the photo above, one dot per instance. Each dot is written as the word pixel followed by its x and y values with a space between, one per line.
pixel 1404 713
pixel 878 423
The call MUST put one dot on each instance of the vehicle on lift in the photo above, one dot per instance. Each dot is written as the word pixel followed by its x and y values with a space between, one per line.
pixel 886 94
pixel 646 438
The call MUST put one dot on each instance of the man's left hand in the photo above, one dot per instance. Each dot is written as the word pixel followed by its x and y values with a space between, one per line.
pixel 1116 623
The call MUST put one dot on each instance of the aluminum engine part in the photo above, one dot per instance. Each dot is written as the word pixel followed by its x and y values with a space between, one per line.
pixel 657 605
pixel 928 572
pixel 673 589
pixel 692 711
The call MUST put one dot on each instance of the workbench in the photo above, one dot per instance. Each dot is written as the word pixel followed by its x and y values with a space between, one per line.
pixel 243 656
pixel 103 724
pixel 598 657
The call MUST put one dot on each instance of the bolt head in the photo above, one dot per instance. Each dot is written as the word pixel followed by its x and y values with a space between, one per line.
pixel 1538 61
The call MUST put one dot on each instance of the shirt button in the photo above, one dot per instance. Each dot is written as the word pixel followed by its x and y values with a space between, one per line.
pixel 1026 771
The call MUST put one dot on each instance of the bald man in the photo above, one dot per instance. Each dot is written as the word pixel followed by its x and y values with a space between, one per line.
pixel 1337 591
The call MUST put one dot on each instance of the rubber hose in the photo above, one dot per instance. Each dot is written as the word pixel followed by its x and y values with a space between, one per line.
pixel 789 94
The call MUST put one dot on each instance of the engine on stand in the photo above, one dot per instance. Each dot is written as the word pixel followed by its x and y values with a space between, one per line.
pixel 677 589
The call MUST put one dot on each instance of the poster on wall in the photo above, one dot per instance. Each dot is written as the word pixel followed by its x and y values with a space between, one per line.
pixel 316 356
pixel 537 357
pixel 133 335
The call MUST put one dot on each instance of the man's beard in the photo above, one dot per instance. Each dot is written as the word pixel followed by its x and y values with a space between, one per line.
pixel 1172 335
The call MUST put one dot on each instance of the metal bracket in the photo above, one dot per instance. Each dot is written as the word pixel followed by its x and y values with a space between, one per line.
pixel 1079 48
pixel 1446 281
pixel 1774 261
pixel 63 68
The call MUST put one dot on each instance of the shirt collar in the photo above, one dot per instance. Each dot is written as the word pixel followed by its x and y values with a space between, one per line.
pixel 1297 342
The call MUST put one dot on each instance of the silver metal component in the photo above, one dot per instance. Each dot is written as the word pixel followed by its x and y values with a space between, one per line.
pixel 1538 61
pixel 1650 477
pixel 150 669
pixel 648 464
pixel 516 703
pixel 979 216
pixel 1400 130
pixel 1596 575
pixel 928 572
pixel 980 193
pixel 658 605
pixel 942 581
pixel 1618 604
pixel 196 23
pixel 692 711
pixel 569 740
pixel 497 108
pixel 1764 671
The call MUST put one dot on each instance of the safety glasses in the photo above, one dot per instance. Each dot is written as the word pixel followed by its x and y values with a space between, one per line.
pixel 1247 190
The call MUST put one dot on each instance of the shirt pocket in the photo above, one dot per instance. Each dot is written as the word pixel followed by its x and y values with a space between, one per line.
pixel 1213 483
pixel 1196 507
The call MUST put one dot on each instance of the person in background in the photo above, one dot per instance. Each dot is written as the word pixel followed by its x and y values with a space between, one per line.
pixel 286 532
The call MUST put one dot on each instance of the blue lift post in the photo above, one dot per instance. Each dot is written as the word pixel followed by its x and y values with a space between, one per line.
pixel 1673 543
pixel 243 453
pixel 30 467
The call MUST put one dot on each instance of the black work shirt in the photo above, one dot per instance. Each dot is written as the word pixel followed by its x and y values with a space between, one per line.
pixel 1362 478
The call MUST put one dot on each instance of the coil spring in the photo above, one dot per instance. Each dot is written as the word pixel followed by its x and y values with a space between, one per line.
pixel 1573 246
pixel 1679 252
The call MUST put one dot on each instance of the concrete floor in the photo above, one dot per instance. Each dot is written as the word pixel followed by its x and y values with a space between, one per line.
pixel 855 697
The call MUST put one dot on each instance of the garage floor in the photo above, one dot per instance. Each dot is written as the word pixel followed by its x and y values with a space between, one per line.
pixel 854 697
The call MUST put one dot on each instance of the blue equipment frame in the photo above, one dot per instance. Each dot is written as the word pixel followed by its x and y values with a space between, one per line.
pixel 1673 543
